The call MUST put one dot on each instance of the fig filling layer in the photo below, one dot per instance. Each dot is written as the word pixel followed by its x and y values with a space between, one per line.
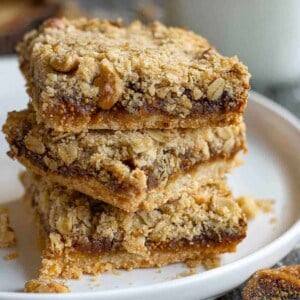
pixel 208 239
pixel 75 171
pixel 77 108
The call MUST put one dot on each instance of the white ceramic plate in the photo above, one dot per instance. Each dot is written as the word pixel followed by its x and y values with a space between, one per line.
pixel 271 170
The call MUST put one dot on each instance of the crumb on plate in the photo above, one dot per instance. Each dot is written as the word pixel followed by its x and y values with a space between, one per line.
pixel 211 263
pixel 12 256
pixel 266 205
pixel 252 207
pixel 207 263
pixel 45 286
pixel 94 278
pixel 115 272
pixel 189 272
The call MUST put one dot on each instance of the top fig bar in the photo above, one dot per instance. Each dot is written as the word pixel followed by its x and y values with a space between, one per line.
pixel 94 74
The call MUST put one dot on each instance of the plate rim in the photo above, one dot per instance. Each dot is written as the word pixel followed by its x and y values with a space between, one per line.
pixel 290 236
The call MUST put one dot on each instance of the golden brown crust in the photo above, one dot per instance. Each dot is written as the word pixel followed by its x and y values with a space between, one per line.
pixel 72 264
pixel 278 284
pixel 129 74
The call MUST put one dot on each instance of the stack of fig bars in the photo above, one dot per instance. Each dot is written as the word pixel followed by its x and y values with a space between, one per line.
pixel 127 139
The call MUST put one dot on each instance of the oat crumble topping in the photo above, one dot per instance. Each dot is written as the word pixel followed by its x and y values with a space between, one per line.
pixel 80 68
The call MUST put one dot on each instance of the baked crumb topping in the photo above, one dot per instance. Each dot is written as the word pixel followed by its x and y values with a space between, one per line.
pixel 45 286
pixel 80 67
pixel 7 234
pixel 73 219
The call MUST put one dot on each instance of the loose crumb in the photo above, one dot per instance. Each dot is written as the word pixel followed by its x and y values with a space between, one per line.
pixel 115 272
pixel 95 278
pixel 248 206
pixel 211 263
pixel 252 207
pixel 7 234
pixel 158 271
pixel 273 220
pixel 11 256
pixel 189 272
pixel 45 286
pixel 266 205
pixel 193 263
pixel 207 263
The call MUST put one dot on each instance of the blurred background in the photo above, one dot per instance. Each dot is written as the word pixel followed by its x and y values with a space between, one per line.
pixel 263 33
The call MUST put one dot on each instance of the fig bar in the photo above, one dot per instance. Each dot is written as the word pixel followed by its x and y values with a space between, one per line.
pixel 91 74
pixel 133 170
pixel 81 235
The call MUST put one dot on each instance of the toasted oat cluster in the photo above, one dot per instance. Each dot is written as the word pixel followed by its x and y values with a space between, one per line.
pixel 7 234
pixel 124 162
pixel 75 223
pixel 280 284
pixel 99 74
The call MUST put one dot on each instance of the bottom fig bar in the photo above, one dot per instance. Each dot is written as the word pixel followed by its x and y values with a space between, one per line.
pixel 80 235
